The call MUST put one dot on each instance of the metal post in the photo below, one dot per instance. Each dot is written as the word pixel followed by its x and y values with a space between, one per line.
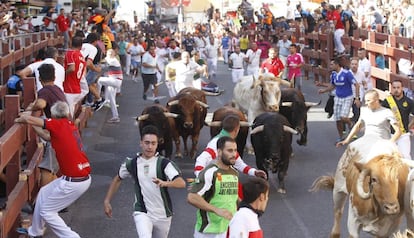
pixel 100 3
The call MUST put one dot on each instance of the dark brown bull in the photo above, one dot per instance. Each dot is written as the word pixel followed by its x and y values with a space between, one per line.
pixel 295 109
pixel 216 126
pixel 163 120
pixel 191 106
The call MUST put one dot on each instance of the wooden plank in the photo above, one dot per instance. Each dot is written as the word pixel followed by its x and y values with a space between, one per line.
pixel 6 60
pixel 11 142
pixel 19 197
pixel 18 55
pixel 29 91
pixel 28 50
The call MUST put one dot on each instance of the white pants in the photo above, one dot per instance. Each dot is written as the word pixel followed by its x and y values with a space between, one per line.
pixel 237 74
pixel 212 66
pixel 128 64
pixel 148 227
pixel 112 85
pixel 73 99
pixel 339 46
pixel 251 70
pixel 404 145
pixel 225 53
pixel 171 88
pixel 208 235
pixel 52 198
pixel 84 86
pixel 285 70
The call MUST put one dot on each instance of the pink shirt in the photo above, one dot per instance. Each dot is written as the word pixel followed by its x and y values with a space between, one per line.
pixel 292 61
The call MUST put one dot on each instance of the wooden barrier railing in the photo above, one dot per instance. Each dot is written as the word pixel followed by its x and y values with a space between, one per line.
pixel 374 42
pixel 20 150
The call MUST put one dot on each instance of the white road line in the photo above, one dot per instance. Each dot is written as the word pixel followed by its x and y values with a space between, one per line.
pixel 299 222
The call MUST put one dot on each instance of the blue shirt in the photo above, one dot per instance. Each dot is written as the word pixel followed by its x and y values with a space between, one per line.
pixel 15 82
pixel 343 82
pixel 225 42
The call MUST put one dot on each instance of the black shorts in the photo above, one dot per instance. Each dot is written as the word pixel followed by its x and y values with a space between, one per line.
pixel 149 79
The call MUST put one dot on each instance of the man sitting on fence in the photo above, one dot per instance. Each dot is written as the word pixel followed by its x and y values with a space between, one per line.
pixel 74 166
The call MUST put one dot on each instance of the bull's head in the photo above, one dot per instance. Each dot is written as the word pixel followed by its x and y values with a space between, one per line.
pixel 187 106
pixel 270 95
pixel 275 138
pixel 380 180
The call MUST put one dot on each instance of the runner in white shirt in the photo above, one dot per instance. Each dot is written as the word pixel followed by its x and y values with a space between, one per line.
pixel 211 53
pixel 185 70
pixel 365 66
pixel 162 59
pixel 136 51
pixel 236 61
pixel 253 60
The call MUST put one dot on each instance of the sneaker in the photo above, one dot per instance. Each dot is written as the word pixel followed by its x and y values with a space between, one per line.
pixel 98 105
pixel 114 120
pixel 88 104
pixel 23 231
pixel 108 105
pixel 156 101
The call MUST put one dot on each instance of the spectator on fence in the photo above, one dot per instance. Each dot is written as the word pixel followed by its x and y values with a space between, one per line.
pixel 283 45
pixel 49 19
pixel 50 58
pixel 263 45
pixel 63 27
pixel 15 83
pixel 339 30
pixel 74 166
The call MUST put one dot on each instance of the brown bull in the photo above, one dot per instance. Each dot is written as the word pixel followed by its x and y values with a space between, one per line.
pixel 163 120
pixel 216 126
pixel 376 193
pixel 191 107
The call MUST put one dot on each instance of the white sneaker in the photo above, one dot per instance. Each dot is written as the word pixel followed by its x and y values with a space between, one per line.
pixel 114 120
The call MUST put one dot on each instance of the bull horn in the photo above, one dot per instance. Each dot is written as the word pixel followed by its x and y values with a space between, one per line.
pixel 142 117
pixel 290 129
pixel 169 114
pixel 287 104
pixel 257 129
pixel 408 162
pixel 312 104
pixel 244 124
pixel 214 123
pixel 360 185
pixel 173 102
pixel 202 104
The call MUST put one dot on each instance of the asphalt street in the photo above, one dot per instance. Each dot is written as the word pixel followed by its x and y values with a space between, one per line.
pixel 298 213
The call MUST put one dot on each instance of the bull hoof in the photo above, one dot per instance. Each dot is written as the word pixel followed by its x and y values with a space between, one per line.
pixel 178 156
pixel 334 236
pixel 281 190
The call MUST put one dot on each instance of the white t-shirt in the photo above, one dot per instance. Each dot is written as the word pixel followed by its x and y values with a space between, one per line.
pixel 51 25
pixel 185 75
pixel 211 51
pixel 254 58
pixel 146 171
pixel 149 59
pixel 237 60
pixel 136 52
pixel 378 123
pixel 89 51
pixel 245 224
pixel 360 78
pixel 365 66
pixel 59 72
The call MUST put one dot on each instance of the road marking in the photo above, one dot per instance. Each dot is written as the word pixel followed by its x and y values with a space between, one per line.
pixel 300 224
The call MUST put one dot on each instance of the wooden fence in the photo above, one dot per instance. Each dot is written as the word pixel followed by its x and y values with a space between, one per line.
pixel 20 148
pixel 374 42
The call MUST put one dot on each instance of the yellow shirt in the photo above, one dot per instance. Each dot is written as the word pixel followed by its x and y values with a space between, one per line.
pixel 244 43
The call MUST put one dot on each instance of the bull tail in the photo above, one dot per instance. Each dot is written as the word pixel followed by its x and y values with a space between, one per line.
pixel 323 182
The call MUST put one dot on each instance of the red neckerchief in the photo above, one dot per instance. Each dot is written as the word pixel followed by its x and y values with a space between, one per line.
pixel 152 54
pixel 254 50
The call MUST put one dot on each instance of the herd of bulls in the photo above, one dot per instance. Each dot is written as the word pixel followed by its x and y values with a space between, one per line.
pixel 380 189
pixel 272 113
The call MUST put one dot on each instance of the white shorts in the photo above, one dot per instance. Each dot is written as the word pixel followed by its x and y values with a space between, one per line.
pixel 198 234
pixel 148 227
